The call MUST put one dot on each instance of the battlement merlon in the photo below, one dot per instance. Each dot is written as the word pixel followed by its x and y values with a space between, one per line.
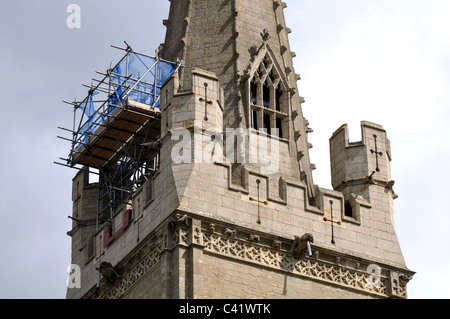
pixel 364 162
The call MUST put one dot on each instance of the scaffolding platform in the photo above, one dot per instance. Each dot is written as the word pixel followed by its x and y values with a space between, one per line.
pixel 124 131
pixel 120 113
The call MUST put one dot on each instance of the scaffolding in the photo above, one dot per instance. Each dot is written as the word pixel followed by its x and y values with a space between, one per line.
pixel 117 126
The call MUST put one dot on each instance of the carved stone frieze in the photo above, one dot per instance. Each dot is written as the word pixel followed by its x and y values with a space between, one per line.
pixel 139 268
pixel 245 246
pixel 323 270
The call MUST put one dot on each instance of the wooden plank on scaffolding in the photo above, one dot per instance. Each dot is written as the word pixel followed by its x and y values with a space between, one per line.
pixel 133 119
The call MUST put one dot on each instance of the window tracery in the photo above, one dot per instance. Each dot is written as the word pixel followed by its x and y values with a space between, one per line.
pixel 268 98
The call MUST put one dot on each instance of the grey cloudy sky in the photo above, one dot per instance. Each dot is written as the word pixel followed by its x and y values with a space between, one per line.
pixel 383 61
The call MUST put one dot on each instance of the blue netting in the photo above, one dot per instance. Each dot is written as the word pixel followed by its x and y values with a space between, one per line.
pixel 147 84
pixel 89 112
pixel 136 77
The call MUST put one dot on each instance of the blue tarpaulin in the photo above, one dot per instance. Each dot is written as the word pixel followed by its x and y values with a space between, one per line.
pixel 147 75
pixel 137 77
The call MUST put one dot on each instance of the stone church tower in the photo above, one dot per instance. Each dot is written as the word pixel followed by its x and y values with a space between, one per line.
pixel 232 210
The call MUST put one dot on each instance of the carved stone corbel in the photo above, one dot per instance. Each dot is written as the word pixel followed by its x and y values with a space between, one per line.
pixel 179 220
pixel 254 238
pixel 109 272
pixel 276 244
pixel 230 232
pixel 301 244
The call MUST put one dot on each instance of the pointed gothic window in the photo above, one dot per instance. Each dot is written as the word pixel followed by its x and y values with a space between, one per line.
pixel 348 209
pixel 352 211
pixel 268 97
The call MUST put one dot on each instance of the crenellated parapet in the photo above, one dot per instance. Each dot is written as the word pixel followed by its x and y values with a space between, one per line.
pixel 357 165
